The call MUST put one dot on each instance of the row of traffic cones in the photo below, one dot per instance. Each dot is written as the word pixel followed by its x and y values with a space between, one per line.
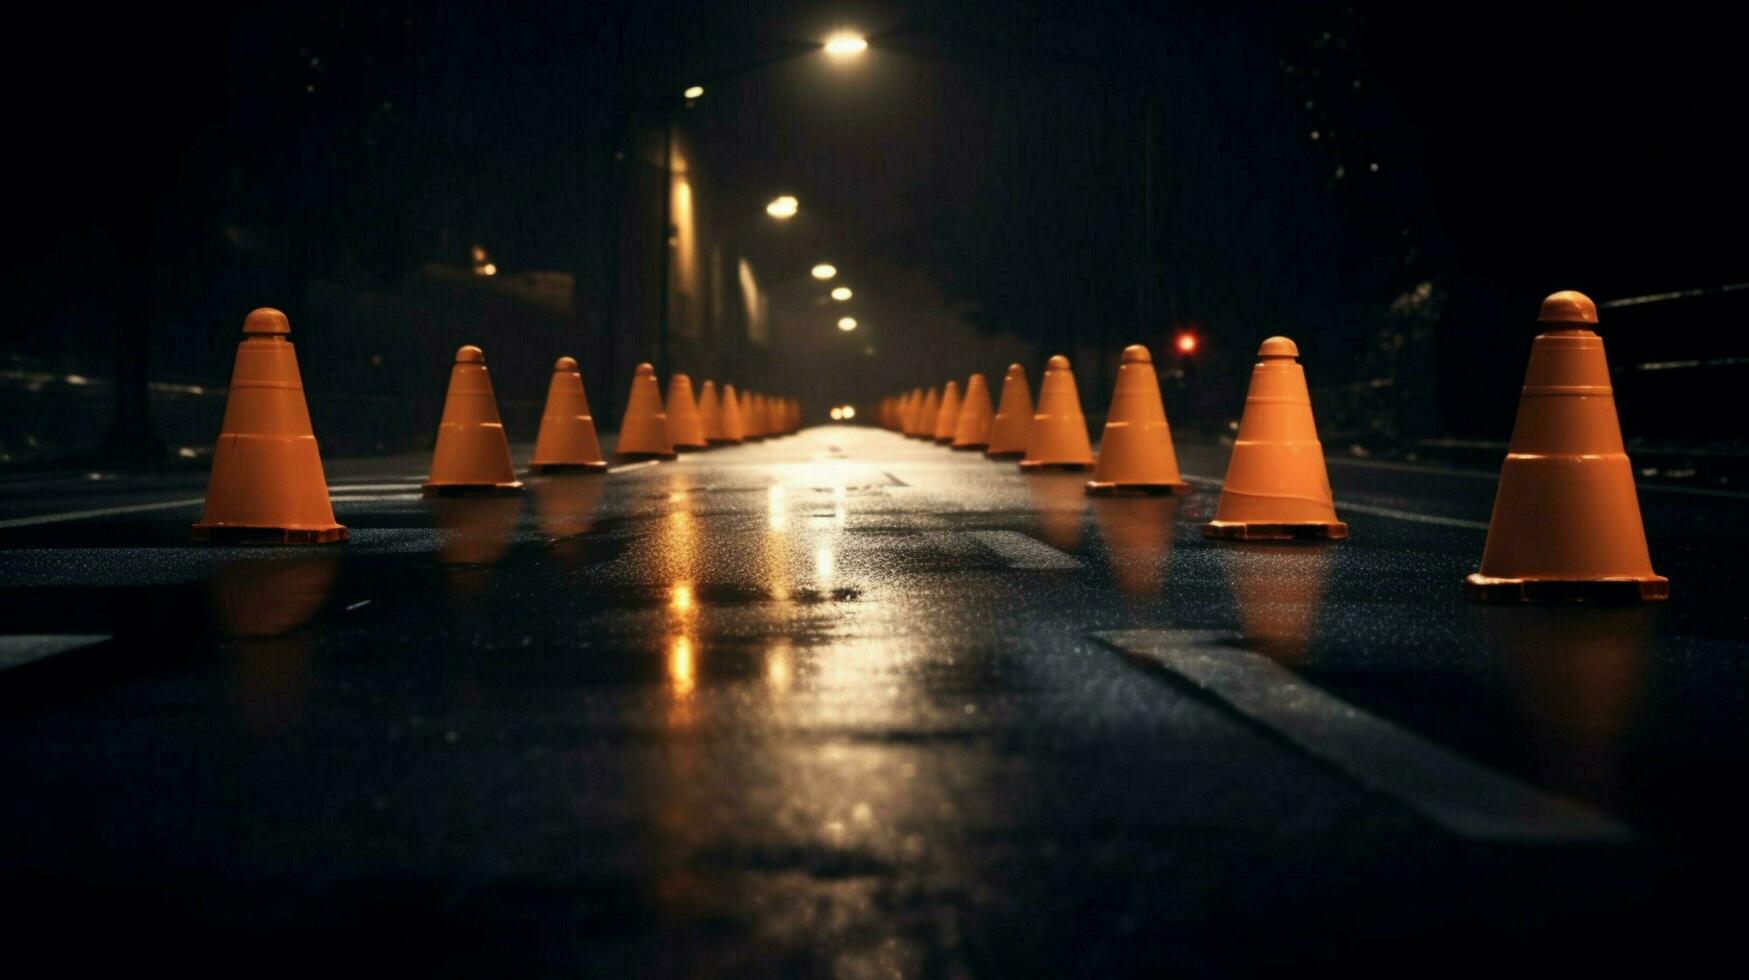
pixel 1566 522
pixel 267 483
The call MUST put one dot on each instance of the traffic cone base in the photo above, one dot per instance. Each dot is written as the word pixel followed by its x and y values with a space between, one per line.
pixel 1566 523
pixel 243 534
pixel 1098 489
pixel 474 490
pixel 1253 531
pixel 1034 465
pixel 267 484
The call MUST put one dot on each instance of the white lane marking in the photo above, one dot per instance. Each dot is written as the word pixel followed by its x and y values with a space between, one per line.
pixel 360 604
pixel 80 515
pixel 1021 551
pixel 628 467
pixel 1376 511
pixel 365 498
pixel 1467 799
pixel 21 649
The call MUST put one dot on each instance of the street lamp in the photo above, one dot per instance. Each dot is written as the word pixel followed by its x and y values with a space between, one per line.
pixel 845 45
pixel 783 208
pixel 847 324
pixel 694 92
pixel 842 293
pixel 825 271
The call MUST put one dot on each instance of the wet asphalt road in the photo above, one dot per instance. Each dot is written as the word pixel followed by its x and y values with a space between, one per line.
pixel 834 704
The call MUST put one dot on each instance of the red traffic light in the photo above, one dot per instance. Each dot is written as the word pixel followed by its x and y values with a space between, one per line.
pixel 1186 343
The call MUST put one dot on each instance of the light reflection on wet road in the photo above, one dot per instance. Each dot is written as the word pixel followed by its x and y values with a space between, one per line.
pixel 823 705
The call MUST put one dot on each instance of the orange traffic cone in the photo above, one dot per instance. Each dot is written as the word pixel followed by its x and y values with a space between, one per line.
pixel 751 418
pixel 734 427
pixel 972 429
pixel 710 412
pixel 1013 421
pixel 929 415
pixel 1058 437
pixel 948 414
pixel 1276 487
pixel 1135 453
pixel 643 432
pixel 567 431
pixel 267 483
pixel 685 427
pixel 1566 519
pixel 913 406
pixel 472 455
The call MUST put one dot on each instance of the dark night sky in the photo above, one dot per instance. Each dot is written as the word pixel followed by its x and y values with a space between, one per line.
pixel 995 147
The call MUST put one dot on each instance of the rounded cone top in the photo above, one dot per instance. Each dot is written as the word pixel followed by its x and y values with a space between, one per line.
pixel 469 354
pixel 1566 306
pixel 1014 371
pixel 1057 363
pixel 645 369
pixel 266 322
pixel 1278 347
pixel 1137 354
pixel 565 364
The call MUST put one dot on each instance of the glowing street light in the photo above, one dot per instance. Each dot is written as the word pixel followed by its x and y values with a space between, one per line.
pixel 849 412
pixel 837 414
pixel 841 294
pixel 694 92
pixel 825 270
pixel 847 324
pixel 783 208
pixel 1186 343
pixel 846 45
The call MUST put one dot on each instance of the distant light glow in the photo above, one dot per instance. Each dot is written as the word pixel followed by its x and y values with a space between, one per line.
pixel 783 208
pixel 824 271
pixel 837 414
pixel 694 92
pixel 850 411
pixel 1186 343
pixel 681 597
pixel 847 324
pixel 845 45
pixel 842 293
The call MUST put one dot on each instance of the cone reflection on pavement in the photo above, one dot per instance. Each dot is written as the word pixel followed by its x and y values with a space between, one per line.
pixel 1058 437
pixel 1278 596
pixel 710 413
pixel 1135 453
pixel 734 428
pixel 1276 487
pixel 1059 508
pixel 643 432
pixel 972 429
pixel 267 482
pixel 472 454
pixel 1013 420
pixel 1138 540
pixel 685 427
pixel 947 414
pixel 1566 521
pixel 567 439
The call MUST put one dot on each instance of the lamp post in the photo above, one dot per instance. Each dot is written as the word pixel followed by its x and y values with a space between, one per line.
pixel 839 47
